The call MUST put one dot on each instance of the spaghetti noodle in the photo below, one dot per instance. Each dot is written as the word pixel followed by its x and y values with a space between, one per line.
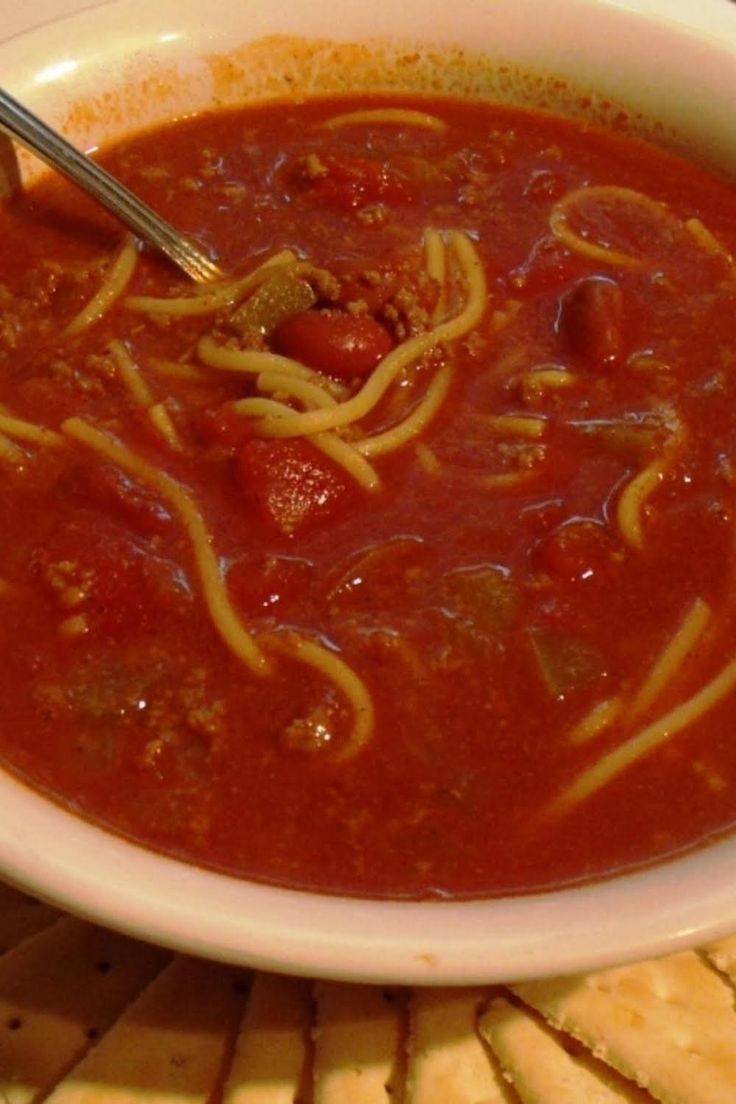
pixel 132 377
pixel 9 451
pixel 597 720
pixel 518 425
pixel 709 242
pixel 328 663
pixel 415 423
pixel 612 203
pixel 117 279
pixel 130 374
pixel 677 650
pixel 386 116
pixel 248 362
pixel 631 502
pixel 161 421
pixel 645 742
pixel 343 453
pixel 211 299
pixel 20 430
pixel 224 618
pixel 296 387
pixel 537 381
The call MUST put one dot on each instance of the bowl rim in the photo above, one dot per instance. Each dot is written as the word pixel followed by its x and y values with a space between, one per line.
pixel 101 876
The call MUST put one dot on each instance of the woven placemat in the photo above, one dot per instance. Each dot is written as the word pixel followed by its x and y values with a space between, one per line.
pixel 88 1016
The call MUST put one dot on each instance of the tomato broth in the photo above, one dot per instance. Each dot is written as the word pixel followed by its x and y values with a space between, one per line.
pixel 401 563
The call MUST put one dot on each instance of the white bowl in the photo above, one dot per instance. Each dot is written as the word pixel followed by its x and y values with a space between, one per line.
pixel 107 71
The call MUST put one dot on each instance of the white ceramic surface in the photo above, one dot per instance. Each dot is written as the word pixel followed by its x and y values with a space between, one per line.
pixel 21 17
pixel 676 60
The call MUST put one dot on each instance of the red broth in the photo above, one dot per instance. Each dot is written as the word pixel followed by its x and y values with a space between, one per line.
pixel 541 574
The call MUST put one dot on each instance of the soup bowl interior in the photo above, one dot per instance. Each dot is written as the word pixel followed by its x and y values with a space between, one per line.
pixel 126 65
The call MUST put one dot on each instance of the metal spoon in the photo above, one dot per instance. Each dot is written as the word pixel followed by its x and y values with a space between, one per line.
pixel 30 131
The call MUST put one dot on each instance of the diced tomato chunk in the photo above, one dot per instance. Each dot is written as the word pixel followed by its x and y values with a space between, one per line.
pixel 294 487
pixel 352 182
pixel 341 344
pixel 579 549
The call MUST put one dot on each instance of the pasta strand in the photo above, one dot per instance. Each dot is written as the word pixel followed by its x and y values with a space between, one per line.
pixel 329 664
pixel 393 116
pixel 212 298
pixel 416 422
pixel 427 459
pixel 175 369
pixel 597 720
pixel 248 361
pixel 518 425
pixel 311 394
pixel 161 421
pixel 633 497
pixel 709 242
pixel 130 373
pixel 343 453
pixel 117 279
pixel 349 458
pixel 21 430
pixel 651 737
pixel 678 648
pixel 502 480
pixel 559 221
pixel 224 617
pixel 10 451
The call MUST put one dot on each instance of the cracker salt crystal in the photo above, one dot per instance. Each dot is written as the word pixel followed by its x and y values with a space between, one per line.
pixel 541 1067
pixel 272 1046
pixel 357 1041
pixel 54 988
pixel 168 1047
pixel 669 1025
pixel 448 1063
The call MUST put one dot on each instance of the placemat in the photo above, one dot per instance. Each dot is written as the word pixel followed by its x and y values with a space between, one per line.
pixel 88 1016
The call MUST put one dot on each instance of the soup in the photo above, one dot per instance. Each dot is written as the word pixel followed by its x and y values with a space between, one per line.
pixel 400 563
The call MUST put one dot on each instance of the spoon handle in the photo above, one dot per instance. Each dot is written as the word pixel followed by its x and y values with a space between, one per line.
pixel 30 131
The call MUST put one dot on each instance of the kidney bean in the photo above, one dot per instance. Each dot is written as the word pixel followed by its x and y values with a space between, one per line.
pixel 341 344
pixel 577 549
pixel 591 320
